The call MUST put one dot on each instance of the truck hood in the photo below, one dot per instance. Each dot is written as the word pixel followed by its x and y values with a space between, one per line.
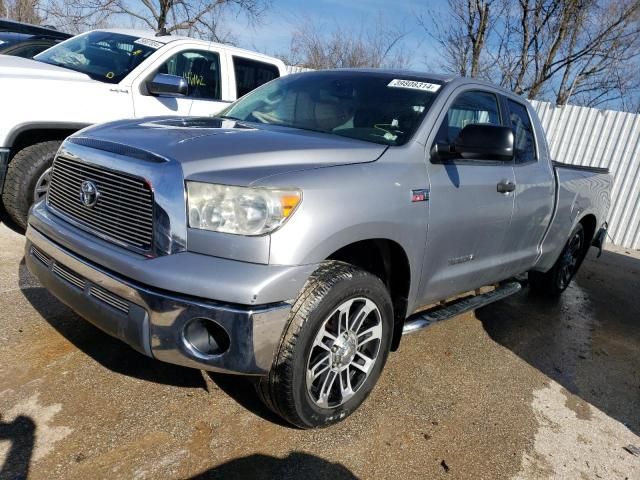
pixel 11 66
pixel 226 151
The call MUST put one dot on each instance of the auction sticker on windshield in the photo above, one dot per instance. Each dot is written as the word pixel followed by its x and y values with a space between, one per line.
pixel 149 43
pixel 414 85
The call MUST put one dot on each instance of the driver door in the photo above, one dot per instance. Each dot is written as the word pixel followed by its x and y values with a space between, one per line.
pixel 468 217
pixel 201 69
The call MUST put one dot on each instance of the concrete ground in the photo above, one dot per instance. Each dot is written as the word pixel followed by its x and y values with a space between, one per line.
pixel 524 388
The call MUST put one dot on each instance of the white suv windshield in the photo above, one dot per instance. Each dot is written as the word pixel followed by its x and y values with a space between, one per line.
pixel 377 107
pixel 104 56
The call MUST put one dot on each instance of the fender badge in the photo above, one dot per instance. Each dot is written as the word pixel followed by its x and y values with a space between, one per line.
pixel 420 195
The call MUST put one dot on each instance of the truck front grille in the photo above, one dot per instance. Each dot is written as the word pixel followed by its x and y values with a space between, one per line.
pixel 121 211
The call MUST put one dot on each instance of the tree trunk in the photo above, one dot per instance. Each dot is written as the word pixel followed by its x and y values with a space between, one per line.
pixel 165 8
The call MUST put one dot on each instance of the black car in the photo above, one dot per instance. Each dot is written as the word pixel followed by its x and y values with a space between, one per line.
pixel 24 40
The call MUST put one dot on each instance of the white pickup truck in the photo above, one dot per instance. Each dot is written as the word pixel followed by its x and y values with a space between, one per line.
pixel 106 75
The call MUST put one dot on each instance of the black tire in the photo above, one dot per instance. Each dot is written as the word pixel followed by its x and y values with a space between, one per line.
pixel 25 169
pixel 284 390
pixel 558 278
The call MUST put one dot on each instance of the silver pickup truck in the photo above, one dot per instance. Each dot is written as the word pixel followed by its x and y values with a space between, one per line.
pixel 296 236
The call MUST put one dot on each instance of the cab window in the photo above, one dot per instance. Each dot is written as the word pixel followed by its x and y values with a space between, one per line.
pixel 251 74
pixel 468 108
pixel 524 147
pixel 201 70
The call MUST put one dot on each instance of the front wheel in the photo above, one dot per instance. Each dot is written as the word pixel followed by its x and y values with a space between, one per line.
pixel 556 280
pixel 333 349
pixel 27 179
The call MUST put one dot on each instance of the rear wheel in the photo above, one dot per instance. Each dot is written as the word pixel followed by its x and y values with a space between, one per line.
pixel 333 349
pixel 556 280
pixel 27 179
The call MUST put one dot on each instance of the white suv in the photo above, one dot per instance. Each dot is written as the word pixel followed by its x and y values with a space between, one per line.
pixel 106 75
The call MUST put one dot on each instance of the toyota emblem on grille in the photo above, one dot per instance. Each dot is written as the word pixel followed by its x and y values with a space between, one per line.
pixel 89 193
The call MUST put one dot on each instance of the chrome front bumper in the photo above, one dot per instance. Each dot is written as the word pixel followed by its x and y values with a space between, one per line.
pixel 152 321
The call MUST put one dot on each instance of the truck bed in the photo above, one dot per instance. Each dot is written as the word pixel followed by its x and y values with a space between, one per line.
pixel 580 191
pixel 579 167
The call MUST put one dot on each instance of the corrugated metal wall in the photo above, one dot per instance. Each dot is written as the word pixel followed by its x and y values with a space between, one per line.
pixel 601 138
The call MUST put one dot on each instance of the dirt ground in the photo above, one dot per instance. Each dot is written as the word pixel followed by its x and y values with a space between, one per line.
pixel 524 388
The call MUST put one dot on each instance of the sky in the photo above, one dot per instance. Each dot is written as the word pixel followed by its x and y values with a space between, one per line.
pixel 273 34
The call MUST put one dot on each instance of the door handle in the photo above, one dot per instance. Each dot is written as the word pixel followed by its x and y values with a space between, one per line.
pixel 506 187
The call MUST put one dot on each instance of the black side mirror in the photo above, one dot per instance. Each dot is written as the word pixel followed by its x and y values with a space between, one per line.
pixel 484 142
pixel 163 84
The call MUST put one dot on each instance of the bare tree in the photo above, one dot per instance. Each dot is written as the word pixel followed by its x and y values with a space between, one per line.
pixel 76 17
pixel 318 45
pixel 584 51
pixel 199 17
pixel 20 10
pixel 463 35
pixel 193 17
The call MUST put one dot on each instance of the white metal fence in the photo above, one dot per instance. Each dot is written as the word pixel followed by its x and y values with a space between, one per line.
pixel 601 138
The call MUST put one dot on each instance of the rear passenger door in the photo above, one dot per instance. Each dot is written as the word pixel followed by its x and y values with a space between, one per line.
pixel 249 74
pixel 201 68
pixel 534 194
pixel 468 217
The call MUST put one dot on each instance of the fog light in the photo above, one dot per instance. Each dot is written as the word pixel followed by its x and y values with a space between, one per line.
pixel 206 336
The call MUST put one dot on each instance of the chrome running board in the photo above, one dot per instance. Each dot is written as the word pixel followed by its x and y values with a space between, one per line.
pixel 459 306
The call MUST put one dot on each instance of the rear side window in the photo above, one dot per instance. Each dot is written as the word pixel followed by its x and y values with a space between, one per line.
pixel 200 68
pixel 468 108
pixel 251 74
pixel 525 150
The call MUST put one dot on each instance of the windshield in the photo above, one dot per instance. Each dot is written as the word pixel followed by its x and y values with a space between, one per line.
pixel 375 107
pixel 104 56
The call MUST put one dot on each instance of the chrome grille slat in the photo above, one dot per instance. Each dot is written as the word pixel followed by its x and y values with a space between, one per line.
pixel 124 210
pixel 109 227
pixel 127 189
pixel 68 276
pixel 70 179
pixel 41 256
pixel 79 166
pixel 118 211
pixel 119 223
pixel 109 299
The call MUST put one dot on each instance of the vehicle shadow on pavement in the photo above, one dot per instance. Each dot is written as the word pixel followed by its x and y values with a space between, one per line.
pixel 242 391
pixel 262 467
pixel 4 218
pixel 106 350
pixel 21 434
pixel 588 340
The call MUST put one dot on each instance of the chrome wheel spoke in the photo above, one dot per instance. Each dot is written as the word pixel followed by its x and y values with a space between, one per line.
pixel 320 367
pixel 373 333
pixel 361 315
pixel 323 335
pixel 343 316
pixel 325 390
pixel 345 385
pixel 42 185
pixel 367 362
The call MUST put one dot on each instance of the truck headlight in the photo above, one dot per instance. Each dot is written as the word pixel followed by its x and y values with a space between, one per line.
pixel 239 210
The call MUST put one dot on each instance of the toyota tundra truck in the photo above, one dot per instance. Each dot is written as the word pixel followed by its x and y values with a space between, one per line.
pixel 108 75
pixel 295 237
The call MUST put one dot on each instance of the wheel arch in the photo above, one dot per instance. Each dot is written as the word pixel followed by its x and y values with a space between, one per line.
pixel 388 260
pixel 29 134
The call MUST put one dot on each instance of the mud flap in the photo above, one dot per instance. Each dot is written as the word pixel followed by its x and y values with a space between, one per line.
pixel 600 238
